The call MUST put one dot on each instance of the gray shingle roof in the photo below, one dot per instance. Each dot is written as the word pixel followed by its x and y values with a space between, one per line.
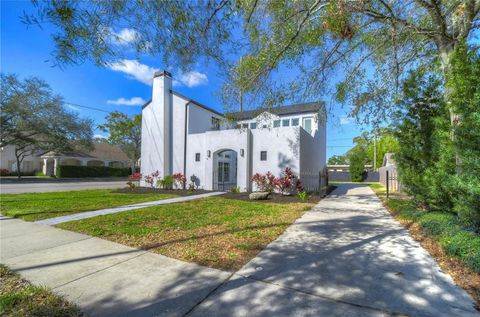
pixel 282 110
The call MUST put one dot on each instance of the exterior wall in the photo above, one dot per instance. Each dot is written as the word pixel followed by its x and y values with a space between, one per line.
pixel 283 150
pixel 156 128
pixel 215 141
pixel 8 161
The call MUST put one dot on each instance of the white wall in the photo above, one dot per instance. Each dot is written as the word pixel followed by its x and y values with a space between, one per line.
pixel 283 150
pixel 8 161
pixel 215 141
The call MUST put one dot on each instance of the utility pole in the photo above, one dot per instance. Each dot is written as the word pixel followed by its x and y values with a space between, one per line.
pixel 241 101
pixel 374 152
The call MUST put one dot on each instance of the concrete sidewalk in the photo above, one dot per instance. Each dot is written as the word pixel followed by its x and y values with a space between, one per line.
pixel 345 257
pixel 102 277
pixel 114 210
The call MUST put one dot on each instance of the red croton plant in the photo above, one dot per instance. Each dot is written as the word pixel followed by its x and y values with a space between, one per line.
pixel 180 180
pixel 285 184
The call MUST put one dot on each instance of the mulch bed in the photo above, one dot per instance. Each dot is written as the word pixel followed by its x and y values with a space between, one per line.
pixel 148 190
pixel 273 198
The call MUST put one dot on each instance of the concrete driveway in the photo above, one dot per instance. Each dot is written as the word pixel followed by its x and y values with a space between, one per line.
pixel 346 257
pixel 57 185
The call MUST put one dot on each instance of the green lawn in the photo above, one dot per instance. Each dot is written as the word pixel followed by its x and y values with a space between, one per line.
pixel 215 231
pixel 36 206
pixel 20 298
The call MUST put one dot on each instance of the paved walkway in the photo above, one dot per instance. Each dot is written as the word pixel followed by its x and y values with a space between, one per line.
pixel 104 278
pixel 56 186
pixel 346 257
pixel 90 214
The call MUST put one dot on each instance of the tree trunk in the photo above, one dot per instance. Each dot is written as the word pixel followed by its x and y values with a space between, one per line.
pixel 19 172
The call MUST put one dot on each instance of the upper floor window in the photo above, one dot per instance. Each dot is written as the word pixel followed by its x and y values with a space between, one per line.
pixel 285 122
pixel 295 122
pixel 307 124
pixel 215 123
pixel 253 125
pixel 245 125
pixel 197 157
pixel 276 123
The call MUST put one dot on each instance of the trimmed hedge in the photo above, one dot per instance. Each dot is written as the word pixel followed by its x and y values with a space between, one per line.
pixel 91 171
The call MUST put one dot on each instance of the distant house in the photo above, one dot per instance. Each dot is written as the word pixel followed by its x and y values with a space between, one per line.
pixel 180 135
pixel 103 154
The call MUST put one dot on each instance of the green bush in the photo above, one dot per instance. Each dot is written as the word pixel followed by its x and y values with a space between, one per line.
pixel 357 167
pixel 91 171
pixel 166 182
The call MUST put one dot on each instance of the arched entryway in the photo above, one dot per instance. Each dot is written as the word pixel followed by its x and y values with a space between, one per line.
pixel 224 170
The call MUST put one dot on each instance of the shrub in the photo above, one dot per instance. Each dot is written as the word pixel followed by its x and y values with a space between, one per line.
pixel 4 172
pixel 134 180
pixel 288 181
pixel 180 180
pixel 264 183
pixel 302 195
pixel 357 167
pixel 150 179
pixel 39 173
pixel 235 189
pixel 90 171
pixel 166 182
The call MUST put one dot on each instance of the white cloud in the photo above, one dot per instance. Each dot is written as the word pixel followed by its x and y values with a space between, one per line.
pixel 345 120
pixel 192 79
pixel 124 37
pixel 100 136
pixel 135 70
pixel 73 107
pixel 134 101
pixel 144 73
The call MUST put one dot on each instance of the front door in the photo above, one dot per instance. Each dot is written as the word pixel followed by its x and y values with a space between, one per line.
pixel 223 173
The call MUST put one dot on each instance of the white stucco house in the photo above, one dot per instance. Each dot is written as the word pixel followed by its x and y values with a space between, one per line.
pixel 180 135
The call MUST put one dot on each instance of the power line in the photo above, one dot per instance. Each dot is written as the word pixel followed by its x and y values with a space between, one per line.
pixel 86 107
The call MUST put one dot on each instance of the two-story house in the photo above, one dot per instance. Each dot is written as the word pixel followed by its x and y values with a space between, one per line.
pixel 180 135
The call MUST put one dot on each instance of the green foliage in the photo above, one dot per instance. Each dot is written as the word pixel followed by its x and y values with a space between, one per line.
pixel 357 167
pixel 166 182
pixel 464 98
pixel 126 132
pixel 39 173
pixel 422 111
pixel 302 195
pixel 317 38
pixel 34 120
pixel 338 160
pixel 91 171
pixel 235 189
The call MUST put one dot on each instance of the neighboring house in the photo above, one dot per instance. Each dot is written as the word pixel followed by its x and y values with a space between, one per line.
pixel 180 135
pixel 8 161
pixel 103 154
pixel 345 168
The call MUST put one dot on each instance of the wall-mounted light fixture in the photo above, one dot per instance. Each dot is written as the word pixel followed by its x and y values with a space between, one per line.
pixel 208 153
pixel 242 152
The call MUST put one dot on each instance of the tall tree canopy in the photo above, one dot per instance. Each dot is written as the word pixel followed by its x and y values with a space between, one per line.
pixel 33 119
pixel 126 132
pixel 368 44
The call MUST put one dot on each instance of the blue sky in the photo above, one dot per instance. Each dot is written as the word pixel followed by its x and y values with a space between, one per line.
pixel 26 51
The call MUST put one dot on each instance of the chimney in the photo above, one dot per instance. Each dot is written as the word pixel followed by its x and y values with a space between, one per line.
pixel 162 106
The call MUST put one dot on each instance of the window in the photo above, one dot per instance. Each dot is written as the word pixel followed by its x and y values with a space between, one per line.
pixel 253 125
pixel 264 126
pixel 307 124
pixel 245 125
pixel 295 122
pixel 285 122
pixel 197 157
pixel 263 155
pixel 215 123
pixel 276 123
